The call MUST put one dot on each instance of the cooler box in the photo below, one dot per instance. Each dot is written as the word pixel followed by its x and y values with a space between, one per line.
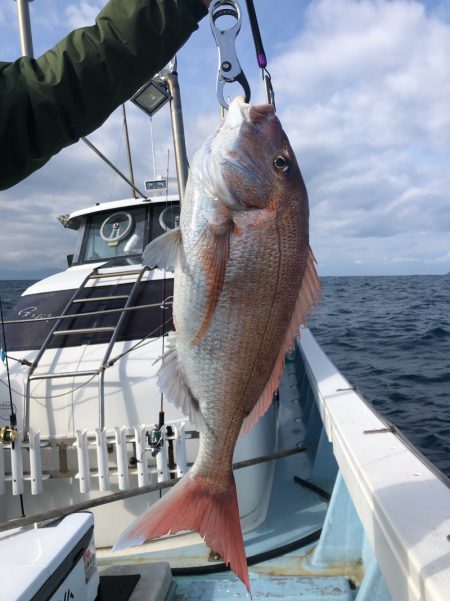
pixel 55 562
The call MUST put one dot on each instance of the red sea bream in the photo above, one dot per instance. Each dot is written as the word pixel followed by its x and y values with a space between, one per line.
pixel 245 280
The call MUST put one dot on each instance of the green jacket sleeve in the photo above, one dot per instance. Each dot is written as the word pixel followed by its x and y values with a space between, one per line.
pixel 50 102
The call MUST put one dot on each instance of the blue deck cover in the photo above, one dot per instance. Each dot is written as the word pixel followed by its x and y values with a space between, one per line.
pixel 287 588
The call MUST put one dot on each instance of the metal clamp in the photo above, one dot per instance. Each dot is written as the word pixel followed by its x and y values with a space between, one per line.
pixel 229 69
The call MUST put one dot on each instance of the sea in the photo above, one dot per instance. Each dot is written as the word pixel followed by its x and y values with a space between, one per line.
pixel 390 336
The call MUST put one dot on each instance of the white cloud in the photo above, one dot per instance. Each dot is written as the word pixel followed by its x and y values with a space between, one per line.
pixel 402 260
pixel 366 108
pixel 362 90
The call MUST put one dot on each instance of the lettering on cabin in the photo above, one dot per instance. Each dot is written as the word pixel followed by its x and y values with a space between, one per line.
pixel 28 313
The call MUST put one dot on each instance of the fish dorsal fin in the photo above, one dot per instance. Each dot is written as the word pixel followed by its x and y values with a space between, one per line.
pixel 171 382
pixel 308 297
pixel 163 251
pixel 215 245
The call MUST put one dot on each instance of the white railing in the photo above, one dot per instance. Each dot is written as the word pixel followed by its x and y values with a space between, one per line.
pixel 99 465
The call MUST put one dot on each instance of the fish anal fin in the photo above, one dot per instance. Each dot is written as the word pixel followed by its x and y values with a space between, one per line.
pixel 215 244
pixel 308 298
pixel 163 251
pixel 173 385
pixel 194 504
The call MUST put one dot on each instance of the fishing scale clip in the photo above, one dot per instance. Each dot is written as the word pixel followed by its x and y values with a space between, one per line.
pixel 229 69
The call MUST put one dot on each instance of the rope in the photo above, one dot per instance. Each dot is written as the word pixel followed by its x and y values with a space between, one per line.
pixel 139 344
pixel 54 396
pixel 110 363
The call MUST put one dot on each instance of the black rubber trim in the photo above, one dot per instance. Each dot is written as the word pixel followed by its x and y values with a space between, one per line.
pixel 323 494
pixel 254 559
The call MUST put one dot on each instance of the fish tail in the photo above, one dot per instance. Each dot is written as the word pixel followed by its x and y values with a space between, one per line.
pixel 193 504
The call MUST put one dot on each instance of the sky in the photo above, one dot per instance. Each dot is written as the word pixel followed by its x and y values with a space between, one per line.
pixel 363 93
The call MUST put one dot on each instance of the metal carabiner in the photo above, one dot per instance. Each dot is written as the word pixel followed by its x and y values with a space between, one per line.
pixel 229 69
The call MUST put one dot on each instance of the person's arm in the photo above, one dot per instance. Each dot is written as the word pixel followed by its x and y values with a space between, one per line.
pixel 50 102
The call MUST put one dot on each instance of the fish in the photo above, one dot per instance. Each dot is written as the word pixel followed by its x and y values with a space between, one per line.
pixel 244 280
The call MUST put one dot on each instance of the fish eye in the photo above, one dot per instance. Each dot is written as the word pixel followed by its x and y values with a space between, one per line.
pixel 281 163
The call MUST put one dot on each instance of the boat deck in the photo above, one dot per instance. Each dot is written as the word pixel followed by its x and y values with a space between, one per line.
pixel 287 588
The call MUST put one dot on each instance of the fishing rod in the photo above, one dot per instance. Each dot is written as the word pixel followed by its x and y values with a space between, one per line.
pixel 9 435
pixel 260 52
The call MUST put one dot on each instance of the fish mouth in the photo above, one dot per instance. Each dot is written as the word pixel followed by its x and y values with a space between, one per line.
pixel 251 113
pixel 221 155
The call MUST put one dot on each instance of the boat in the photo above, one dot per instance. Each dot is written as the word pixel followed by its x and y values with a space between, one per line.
pixel 335 503
pixel 356 513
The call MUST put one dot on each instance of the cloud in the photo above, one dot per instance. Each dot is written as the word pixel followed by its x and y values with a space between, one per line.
pixel 367 111
pixel 402 260
pixel 362 90
pixel 75 179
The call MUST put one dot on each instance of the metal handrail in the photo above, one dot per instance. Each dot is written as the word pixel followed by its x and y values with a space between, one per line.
pixel 101 377
pixel 44 346
pixel 114 329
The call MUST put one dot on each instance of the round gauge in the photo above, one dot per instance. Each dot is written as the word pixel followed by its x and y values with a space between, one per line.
pixel 116 227
pixel 169 218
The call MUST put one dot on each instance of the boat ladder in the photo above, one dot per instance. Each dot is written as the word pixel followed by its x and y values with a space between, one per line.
pixel 56 330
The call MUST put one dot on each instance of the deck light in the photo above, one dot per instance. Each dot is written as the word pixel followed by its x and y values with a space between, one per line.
pixel 152 96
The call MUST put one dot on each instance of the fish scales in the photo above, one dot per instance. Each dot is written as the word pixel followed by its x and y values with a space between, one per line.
pixel 233 361
pixel 244 281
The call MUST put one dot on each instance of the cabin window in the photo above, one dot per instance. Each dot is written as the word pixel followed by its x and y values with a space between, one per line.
pixel 119 233
pixel 125 232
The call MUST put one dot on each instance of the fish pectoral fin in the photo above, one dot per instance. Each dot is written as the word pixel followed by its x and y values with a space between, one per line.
pixel 163 251
pixel 171 382
pixel 308 297
pixel 215 252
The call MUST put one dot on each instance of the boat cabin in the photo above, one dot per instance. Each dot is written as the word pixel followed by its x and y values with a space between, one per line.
pixel 120 230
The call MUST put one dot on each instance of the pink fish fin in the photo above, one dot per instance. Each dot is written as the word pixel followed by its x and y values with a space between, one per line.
pixel 308 297
pixel 193 504
pixel 172 383
pixel 215 245
pixel 163 251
